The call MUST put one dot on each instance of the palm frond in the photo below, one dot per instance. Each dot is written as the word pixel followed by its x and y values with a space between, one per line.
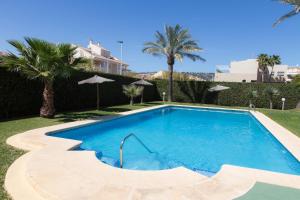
pixel 40 59
pixel 175 42
pixel 295 11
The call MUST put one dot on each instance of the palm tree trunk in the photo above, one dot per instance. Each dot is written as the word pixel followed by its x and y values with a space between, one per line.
pixel 270 75
pixel 131 100
pixel 171 61
pixel 47 110
pixel 259 75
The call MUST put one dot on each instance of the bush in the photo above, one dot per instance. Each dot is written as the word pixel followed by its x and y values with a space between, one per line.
pixel 237 95
pixel 20 96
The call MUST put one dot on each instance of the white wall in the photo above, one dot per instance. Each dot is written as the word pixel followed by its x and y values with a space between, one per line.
pixel 237 77
pixel 247 70
pixel 246 67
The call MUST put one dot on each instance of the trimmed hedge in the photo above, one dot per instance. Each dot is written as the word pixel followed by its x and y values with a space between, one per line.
pixel 20 96
pixel 197 92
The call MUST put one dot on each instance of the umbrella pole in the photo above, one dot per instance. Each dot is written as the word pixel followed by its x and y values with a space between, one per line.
pixel 97 96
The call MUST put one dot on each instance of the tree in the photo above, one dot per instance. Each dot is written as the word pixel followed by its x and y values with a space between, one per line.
pixel 252 94
pixel 262 71
pixel 295 11
pixel 132 91
pixel 175 44
pixel 271 92
pixel 273 60
pixel 265 61
pixel 45 61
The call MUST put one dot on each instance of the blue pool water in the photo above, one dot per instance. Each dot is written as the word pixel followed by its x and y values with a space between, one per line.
pixel 199 139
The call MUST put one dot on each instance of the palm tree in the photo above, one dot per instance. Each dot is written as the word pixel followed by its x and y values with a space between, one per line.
pixel 252 94
pixel 132 91
pixel 273 60
pixel 42 60
pixel 175 44
pixel 271 92
pixel 295 11
pixel 262 71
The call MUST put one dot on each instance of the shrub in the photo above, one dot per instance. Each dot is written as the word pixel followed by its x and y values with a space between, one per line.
pixel 20 96
pixel 237 95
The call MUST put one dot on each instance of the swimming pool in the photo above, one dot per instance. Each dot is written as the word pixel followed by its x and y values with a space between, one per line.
pixel 197 138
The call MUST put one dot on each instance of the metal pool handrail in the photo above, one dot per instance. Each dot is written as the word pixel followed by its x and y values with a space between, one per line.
pixel 122 144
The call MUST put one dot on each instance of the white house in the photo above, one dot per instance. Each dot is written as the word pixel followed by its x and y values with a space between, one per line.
pixel 102 59
pixel 246 71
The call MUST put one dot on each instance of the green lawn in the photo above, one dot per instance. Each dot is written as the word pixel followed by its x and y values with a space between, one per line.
pixel 8 128
pixel 289 119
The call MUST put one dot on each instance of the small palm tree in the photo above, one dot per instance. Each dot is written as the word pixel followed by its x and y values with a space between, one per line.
pixel 295 11
pixel 175 44
pixel 132 91
pixel 271 92
pixel 262 71
pixel 252 94
pixel 42 60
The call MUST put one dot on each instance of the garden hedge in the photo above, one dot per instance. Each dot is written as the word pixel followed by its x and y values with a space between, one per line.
pixel 237 95
pixel 20 96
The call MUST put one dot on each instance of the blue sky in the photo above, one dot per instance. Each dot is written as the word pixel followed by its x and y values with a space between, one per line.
pixel 226 29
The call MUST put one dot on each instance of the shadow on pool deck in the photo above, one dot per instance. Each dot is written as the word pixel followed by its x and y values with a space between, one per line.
pixel 263 191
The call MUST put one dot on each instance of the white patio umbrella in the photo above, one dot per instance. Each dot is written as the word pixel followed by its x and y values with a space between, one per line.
pixel 95 80
pixel 218 88
pixel 142 82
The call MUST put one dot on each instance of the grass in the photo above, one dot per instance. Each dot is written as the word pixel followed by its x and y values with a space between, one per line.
pixel 8 128
pixel 289 119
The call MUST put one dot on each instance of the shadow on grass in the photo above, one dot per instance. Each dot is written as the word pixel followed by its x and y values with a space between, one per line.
pixel 71 117
pixel 115 109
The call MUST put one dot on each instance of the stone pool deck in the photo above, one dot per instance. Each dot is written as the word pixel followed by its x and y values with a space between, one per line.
pixel 50 172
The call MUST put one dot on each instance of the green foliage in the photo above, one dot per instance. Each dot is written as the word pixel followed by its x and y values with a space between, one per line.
pixel 175 42
pixel 252 94
pixel 20 96
pixel 270 92
pixel 296 80
pixel 296 9
pixel 39 59
pixel 265 61
pixel 237 95
pixel 132 91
